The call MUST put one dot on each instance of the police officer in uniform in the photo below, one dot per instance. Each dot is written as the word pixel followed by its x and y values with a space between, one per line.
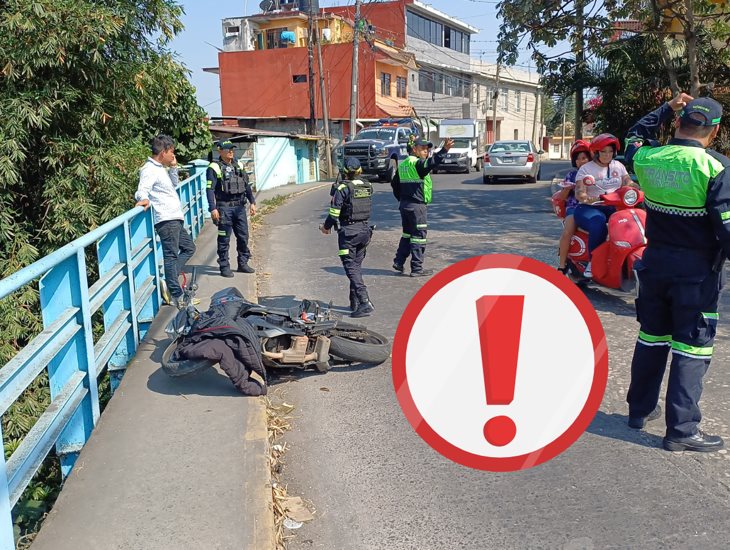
pixel 687 197
pixel 412 187
pixel 349 212
pixel 228 190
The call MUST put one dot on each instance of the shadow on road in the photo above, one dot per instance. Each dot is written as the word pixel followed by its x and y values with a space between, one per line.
pixel 281 375
pixel 615 426
pixel 208 382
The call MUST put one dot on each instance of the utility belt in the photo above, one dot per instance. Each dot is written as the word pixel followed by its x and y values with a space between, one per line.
pixel 234 202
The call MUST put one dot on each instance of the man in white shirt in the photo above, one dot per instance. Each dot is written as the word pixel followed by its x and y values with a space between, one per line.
pixel 157 188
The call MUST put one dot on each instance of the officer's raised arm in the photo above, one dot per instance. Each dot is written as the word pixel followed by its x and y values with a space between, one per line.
pixel 647 129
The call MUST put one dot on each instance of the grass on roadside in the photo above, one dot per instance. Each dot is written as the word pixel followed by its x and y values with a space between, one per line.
pixel 267 207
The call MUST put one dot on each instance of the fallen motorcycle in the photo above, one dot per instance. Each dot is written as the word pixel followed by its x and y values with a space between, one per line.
pixel 304 336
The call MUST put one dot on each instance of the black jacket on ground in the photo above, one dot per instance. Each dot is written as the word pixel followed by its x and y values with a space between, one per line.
pixel 220 335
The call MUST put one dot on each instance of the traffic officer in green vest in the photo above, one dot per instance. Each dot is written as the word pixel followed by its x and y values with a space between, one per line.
pixel 412 188
pixel 687 197
pixel 349 212
pixel 228 190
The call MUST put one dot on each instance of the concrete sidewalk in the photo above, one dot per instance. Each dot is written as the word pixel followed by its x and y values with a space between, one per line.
pixel 173 463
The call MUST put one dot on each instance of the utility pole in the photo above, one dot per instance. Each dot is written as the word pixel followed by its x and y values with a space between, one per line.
pixel 579 68
pixel 325 112
pixel 562 140
pixel 534 118
pixel 312 130
pixel 495 96
pixel 353 96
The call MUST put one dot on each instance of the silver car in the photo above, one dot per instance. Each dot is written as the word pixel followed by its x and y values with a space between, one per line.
pixel 511 159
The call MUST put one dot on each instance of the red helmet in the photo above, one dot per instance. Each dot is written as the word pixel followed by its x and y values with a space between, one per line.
pixel 580 146
pixel 603 140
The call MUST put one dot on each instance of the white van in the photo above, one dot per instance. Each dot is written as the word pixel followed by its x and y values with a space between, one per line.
pixel 464 154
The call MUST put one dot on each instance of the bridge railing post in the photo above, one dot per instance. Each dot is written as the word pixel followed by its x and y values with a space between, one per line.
pixel 63 287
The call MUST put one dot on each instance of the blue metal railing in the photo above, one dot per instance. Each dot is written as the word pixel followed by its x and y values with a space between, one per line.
pixel 126 292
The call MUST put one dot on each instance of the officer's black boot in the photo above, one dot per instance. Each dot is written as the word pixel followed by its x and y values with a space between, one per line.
pixel 226 272
pixel 365 307
pixel 245 268
pixel 354 302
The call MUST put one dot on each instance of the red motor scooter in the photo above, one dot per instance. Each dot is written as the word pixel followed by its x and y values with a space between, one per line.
pixel 613 261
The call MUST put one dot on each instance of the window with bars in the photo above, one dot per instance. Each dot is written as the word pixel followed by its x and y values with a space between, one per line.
pixel 273 38
pixel 518 101
pixel 400 86
pixel 504 96
pixel 385 83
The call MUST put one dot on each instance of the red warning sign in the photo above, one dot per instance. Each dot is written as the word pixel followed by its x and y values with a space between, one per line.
pixel 500 362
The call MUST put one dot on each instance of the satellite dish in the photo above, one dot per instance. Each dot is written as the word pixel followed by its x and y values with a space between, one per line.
pixel 267 5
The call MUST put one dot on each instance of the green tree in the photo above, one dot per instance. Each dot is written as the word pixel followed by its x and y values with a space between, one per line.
pixel 85 85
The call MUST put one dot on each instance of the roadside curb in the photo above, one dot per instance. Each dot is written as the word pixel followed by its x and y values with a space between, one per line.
pixel 258 479
pixel 260 498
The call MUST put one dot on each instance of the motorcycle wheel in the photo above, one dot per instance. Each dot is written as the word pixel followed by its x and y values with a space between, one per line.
pixel 356 343
pixel 177 368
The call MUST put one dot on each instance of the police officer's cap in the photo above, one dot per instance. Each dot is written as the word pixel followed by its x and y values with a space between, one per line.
pixel 422 141
pixel 226 144
pixel 703 111
pixel 352 164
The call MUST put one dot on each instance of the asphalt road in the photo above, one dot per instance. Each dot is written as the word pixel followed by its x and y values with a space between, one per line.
pixel 376 484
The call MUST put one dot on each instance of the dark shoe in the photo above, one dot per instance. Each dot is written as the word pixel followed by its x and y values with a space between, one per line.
pixel 245 268
pixel 175 301
pixel 226 272
pixel 363 309
pixel 398 267
pixel 354 302
pixel 422 273
pixel 638 422
pixel 700 442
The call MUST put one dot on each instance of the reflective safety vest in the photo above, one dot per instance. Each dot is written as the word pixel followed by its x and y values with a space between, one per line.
pixel 412 187
pixel 674 178
pixel 233 178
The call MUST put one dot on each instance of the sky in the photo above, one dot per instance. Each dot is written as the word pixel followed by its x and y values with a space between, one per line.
pixel 203 24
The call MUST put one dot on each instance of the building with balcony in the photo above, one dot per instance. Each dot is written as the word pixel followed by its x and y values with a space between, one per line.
pixel 263 72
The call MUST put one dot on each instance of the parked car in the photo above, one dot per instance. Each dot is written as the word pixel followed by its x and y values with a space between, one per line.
pixel 511 159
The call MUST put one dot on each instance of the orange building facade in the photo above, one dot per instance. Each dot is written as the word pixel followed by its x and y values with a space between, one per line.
pixel 267 79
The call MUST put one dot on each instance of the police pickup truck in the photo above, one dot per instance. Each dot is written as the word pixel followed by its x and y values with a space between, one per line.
pixel 380 147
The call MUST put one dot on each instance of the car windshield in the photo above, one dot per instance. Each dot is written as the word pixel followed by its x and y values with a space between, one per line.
pixel 383 134
pixel 510 147
pixel 461 143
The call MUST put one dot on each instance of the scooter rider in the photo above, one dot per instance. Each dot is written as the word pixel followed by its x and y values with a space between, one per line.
pixel 603 174
pixel 687 197
pixel 413 188
pixel 580 153
pixel 349 212
pixel 228 190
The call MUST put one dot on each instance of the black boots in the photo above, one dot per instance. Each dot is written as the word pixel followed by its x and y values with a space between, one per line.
pixel 226 272
pixel 699 442
pixel 245 268
pixel 354 302
pixel 638 422
pixel 364 306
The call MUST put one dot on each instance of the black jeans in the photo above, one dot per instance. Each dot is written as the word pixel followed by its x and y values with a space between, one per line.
pixel 177 249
